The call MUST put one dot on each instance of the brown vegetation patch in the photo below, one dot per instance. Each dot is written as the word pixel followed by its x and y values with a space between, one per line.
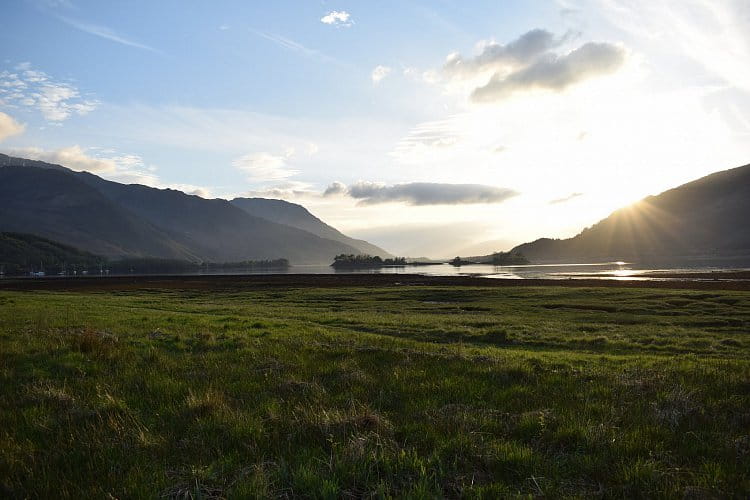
pixel 90 341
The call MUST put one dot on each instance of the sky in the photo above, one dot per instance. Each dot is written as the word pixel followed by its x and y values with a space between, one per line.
pixel 431 128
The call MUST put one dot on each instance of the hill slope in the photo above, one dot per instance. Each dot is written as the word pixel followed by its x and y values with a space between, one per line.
pixel 703 218
pixel 22 252
pixel 56 205
pixel 112 219
pixel 215 229
pixel 294 215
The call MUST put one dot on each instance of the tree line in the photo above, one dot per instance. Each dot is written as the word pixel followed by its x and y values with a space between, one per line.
pixel 351 261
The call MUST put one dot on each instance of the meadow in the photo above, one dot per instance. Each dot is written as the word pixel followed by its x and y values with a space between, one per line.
pixel 375 392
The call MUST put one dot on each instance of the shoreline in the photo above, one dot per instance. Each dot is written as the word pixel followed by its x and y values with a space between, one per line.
pixel 698 281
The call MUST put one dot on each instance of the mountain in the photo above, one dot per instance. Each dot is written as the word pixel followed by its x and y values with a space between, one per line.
pixel 117 220
pixel 22 252
pixel 291 214
pixel 484 248
pixel 215 230
pixel 706 218
pixel 55 204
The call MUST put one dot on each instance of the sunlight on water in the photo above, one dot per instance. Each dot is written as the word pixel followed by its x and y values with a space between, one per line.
pixel 619 270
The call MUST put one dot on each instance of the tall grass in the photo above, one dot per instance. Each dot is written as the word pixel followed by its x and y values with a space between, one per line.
pixel 387 392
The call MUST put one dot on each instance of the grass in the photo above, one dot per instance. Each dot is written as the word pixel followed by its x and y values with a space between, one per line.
pixel 375 392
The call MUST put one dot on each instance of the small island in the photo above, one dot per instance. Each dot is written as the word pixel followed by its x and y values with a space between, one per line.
pixel 458 262
pixel 350 261
pixel 495 259
pixel 508 259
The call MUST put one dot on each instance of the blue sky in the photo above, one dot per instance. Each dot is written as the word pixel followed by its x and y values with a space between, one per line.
pixel 428 126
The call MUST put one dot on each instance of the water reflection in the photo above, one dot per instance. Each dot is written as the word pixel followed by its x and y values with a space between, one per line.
pixel 618 270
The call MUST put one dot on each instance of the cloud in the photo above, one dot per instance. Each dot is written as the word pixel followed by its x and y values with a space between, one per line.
pixel 57 101
pixel 712 33
pixel 554 72
pixel 565 199
pixel 286 190
pixel 379 73
pixel 265 167
pixel 335 188
pixel 519 52
pixel 72 157
pixel 338 18
pixel 529 62
pixel 107 163
pixel 54 101
pixel 123 168
pixel 422 193
pixel 289 44
pixel 9 127
pixel 106 33
pixel 427 141
pixel 191 189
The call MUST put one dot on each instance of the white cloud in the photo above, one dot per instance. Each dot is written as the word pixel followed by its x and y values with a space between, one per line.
pixel 73 157
pixel 338 18
pixel 57 101
pixel 529 62
pixel 190 189
pixel 565 199
pixel 712 33
pixel 379 73
pixel 285 190
pixel 9 127
pixel 265 167
pixel 520 52
pixel 554 72
pixel 123 168
pixel 106 33
pixel 290 44
pixel 427 141
pixel 230 134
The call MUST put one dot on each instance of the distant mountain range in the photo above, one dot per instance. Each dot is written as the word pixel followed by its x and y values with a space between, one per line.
pixel 291 214
pixel 706 218
pixel 117 220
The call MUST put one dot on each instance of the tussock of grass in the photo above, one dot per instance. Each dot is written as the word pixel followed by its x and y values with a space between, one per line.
pixel 417 392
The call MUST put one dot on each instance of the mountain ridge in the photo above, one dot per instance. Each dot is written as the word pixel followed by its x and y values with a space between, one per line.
pixel 701 218
pixel 112 219
pixel 295 215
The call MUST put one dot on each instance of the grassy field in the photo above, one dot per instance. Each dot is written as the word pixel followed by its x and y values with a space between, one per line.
pixel 375 392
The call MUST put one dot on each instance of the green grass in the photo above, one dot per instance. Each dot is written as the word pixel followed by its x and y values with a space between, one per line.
pixel 375 392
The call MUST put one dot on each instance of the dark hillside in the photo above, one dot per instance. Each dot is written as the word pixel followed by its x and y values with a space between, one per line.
pixel 22 253
pixel 55 204
pixel 703 218
pixel 294 215
pixel 118 220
